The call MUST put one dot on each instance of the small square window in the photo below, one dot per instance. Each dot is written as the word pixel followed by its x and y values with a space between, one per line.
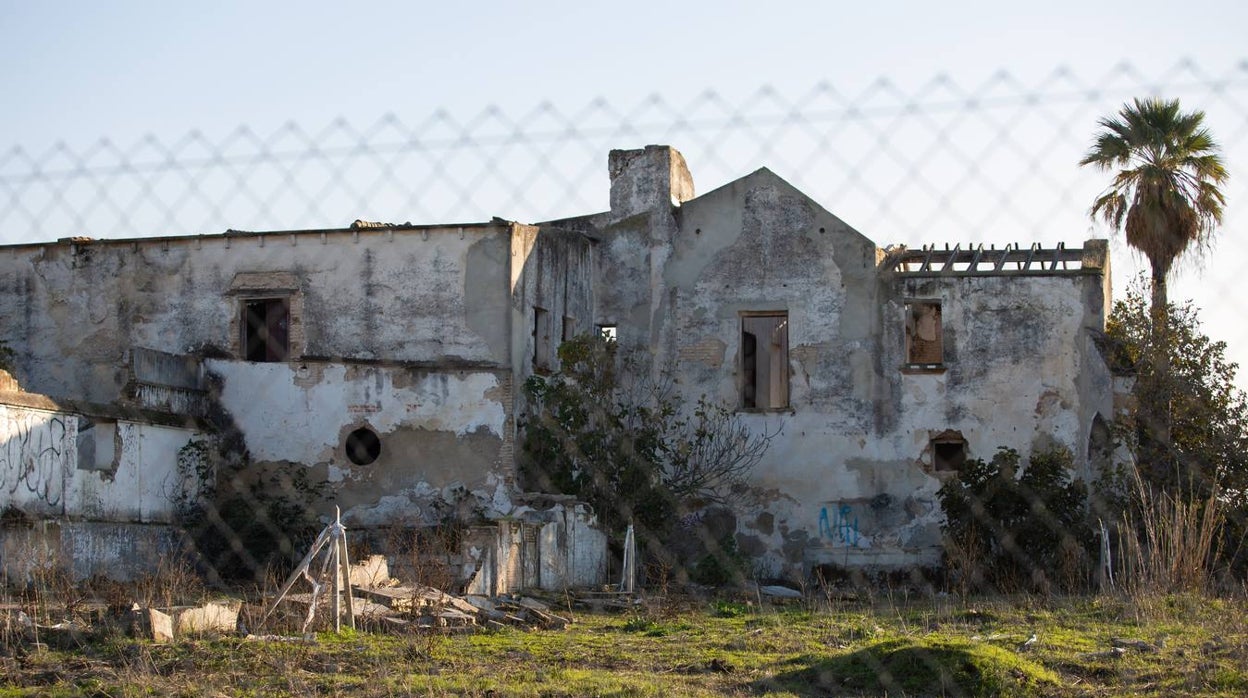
pixel 924 334
pixel 266 329
pixel 948 451
pixel 765 361
pixel 607 332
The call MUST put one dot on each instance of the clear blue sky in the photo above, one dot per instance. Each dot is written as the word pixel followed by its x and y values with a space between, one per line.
pixel 80 71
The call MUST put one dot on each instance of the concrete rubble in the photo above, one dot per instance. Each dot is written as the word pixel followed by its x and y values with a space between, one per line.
pixel 383 603
pixel 168 624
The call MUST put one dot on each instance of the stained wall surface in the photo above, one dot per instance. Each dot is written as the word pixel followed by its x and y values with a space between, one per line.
pixel 424 336
pixel 432 295
pixel 406 333
pixel 851 477
pixel 60 464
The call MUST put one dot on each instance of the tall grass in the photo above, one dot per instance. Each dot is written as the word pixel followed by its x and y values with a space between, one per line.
pixel 1169 543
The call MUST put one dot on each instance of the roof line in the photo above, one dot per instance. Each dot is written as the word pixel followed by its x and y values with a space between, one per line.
pixel 231 233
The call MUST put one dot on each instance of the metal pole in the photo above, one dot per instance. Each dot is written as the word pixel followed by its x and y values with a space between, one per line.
pixel 629 582
pixel 346 573
pixel 337 565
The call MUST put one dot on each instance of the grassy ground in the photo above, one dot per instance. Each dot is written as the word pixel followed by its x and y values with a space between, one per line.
pixel 1171 646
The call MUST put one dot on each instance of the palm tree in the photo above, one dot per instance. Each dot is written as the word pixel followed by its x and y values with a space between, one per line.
pixel 1165 197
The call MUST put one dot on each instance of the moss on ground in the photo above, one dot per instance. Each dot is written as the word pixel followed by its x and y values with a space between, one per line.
pixel 1173 646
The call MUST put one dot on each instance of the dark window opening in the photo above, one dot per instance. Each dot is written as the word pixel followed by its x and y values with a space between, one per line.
pixel 363 446
pixel 1100 444
pixel 949 455
pixel 542 353
pixel 98 445
pixel 924 334
pixel 765 361
pixel 266 329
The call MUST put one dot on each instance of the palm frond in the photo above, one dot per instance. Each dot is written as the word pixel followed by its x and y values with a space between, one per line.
pixel 1165 194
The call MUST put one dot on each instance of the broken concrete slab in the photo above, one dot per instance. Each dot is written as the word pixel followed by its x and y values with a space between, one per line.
pixel 372 571
pixel 534 604
pixel 480 602
pixel 156 625
pixel 403 598
pixel 368 609
pixel 452 618
pixel 208 618
pixel 461 605
pixel 779 592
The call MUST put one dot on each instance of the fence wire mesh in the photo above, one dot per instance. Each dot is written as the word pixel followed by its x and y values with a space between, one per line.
pixel 943 162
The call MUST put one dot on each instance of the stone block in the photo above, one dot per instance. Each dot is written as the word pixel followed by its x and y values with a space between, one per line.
pixel 156 625
pixel 372 571
pixel 209 618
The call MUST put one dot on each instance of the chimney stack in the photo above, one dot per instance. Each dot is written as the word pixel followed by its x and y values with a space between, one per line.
pixel 647 179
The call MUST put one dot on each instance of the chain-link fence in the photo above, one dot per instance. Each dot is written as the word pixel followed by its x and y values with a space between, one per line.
pixel 944 161
pixel 941 162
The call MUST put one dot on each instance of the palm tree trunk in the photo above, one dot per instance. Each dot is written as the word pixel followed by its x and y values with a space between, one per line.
pixel 1155 411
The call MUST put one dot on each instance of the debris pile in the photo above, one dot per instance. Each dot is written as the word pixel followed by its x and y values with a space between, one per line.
pixel 380 602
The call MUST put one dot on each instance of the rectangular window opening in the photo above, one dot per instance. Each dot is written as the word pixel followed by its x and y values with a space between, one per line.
pixel 607 332
pixel 924 334
pixel 266 329
pixel 98 448
pixel 765 361
pixel 569 328
pixel 542 353
pixel 948 455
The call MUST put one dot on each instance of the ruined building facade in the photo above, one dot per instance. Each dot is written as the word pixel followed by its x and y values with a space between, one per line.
pixel 387 360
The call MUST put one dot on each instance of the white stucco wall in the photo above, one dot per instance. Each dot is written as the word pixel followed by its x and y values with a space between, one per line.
pixel 140 481
pixel 849 479
pixel 432 295
pixel 439 430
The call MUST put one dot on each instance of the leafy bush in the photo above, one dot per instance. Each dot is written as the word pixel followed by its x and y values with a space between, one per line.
pixel 605 430
pixel 723 564
pixel 254 525
pixel 1202 456
pixel 7 356
pixel 1018 532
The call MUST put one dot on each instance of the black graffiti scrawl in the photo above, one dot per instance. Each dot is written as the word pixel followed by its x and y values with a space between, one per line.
pixel 33 447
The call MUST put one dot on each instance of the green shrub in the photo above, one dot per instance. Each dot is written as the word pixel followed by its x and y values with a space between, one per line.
pixel 723 564
pixel 1015 532
pixel 7 356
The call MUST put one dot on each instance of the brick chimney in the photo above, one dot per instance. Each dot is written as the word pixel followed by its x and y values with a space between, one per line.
pixel 647 179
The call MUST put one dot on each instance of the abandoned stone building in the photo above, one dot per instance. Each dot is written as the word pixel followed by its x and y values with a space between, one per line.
pixel 386 360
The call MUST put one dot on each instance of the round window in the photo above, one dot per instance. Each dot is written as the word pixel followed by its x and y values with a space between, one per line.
pixel 363 446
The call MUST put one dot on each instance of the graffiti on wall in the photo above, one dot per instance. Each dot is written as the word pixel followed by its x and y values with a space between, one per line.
pixel 33 447
pixel 841 526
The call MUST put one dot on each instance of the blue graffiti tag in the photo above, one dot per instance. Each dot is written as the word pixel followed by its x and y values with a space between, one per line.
pixel 843 528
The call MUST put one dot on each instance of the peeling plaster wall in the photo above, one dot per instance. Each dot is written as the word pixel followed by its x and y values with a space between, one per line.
pixel 439 430
pixel 436 295
pixel 134 476
pixel 559 548
pixel 1021 368
pixel 555 273
pixel 39 448
pixel 849 478
pixel 83 549
pixel 424 335
pixel 406 331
